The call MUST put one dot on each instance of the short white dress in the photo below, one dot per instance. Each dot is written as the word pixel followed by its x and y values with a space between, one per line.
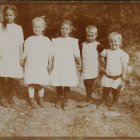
pixel 36 51
pixel 90 60
pixel 64 69
pixel 10 40
pixel 114 61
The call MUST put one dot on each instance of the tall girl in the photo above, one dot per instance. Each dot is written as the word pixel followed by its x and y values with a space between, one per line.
pixel 11 46
pixel 38 61
pixel 63 75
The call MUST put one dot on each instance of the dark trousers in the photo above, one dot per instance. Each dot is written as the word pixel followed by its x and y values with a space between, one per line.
pixel 106 91
pixel 89 88
pixel 8 85
pixel 62 91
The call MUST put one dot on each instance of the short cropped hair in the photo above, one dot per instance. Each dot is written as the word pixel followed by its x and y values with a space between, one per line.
pixel 91 27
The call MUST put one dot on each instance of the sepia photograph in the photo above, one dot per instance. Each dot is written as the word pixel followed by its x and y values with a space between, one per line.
pixel 69 70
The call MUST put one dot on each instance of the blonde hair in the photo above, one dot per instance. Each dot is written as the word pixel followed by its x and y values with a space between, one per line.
pixel 40 19
pixel 91 27
pixel 69 23
pixel 116 34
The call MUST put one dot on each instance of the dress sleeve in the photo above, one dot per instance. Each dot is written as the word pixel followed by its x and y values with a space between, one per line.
pixel 103 53
pixel 124 58
pixel 76 49
pixel 21 36
pixel 100 48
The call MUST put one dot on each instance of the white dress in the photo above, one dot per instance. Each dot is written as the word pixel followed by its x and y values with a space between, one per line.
pixel 36 52
pixel 114 62
pixel 10 40
pixel 64 69
pixel 90 60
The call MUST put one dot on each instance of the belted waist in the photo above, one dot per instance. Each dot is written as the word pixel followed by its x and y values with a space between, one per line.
pixel 113 77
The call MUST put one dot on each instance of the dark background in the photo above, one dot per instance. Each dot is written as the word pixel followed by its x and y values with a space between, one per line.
pixel 123 17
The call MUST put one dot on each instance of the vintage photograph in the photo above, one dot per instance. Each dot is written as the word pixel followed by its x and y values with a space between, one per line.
pixel 69 69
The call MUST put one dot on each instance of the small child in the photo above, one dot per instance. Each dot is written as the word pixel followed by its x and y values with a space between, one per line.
pixel 63 75
pixel 11 49
pixel 116 68
pixel 37 57
pixel 90 51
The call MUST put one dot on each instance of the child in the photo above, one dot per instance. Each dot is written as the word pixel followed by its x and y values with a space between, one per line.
pixel 11 48
pixel 116 68
pixel 90 50
pixel 63 75
pixel 37 57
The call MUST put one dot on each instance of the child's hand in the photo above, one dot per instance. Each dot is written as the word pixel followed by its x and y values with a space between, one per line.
pixel 50 67
pixel 79 67
pixel 102 60
pixel 21 63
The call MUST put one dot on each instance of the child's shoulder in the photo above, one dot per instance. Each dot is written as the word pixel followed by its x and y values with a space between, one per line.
pixel 122 52
pixel 45 38
pixel 29 38
pixel 17 26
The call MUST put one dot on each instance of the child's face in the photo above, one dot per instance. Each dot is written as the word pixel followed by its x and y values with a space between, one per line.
pixel 38 28
pixel 10 16
pixel 65 30
pixel 91 36
pixel 115 42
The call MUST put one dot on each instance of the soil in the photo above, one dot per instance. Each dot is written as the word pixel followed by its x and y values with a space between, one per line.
pixel 23 120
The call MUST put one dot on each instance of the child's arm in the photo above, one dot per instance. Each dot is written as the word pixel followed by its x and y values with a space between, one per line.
pixel 100 48
pixel 124 71
pixel 21 41
pixel 50 63
pixel 51 55
pixel 79 62
pixel 21 54
pixel 124 61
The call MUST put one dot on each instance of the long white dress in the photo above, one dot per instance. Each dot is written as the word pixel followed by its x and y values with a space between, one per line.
pixel 36 52
pixel 114 62
pixel 10 40
pixel 64 69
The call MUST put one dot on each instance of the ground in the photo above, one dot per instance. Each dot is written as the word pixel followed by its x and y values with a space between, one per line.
pixel 22 120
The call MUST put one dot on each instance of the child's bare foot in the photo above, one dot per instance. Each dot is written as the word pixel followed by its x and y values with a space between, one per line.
pixel 33 103
pixel 41 102
pixel 58 104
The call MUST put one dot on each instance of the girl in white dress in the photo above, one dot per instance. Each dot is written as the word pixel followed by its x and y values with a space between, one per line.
pixel 38 61
pixel 11 48
pixel 116 68
pixel 63 75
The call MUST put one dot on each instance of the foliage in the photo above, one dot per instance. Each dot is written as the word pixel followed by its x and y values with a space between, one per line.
pixel 108 17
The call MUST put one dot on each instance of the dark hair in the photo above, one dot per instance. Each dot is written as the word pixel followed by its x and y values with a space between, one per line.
pixel 8 7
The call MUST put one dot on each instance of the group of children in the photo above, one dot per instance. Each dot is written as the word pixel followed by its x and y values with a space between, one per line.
pixel 41 61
